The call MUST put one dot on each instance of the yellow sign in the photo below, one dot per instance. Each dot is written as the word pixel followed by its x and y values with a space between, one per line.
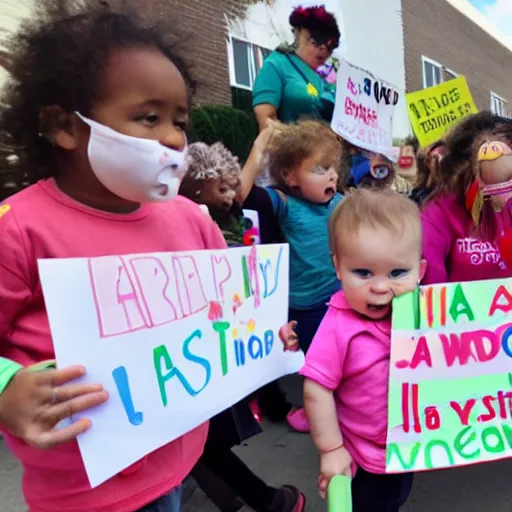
pixel 4 208
pixel 434 110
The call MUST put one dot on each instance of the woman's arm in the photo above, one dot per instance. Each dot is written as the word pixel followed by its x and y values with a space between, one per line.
pixel 267 92
pixel 264 113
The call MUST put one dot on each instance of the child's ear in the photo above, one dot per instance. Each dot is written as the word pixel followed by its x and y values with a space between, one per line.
pixel 335 262
pixel 423 269
pixel 60 128
pixel 289 178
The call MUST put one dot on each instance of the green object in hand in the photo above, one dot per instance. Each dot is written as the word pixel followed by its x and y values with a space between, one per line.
pixel 339 494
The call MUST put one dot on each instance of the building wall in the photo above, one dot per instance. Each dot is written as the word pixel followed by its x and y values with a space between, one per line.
pixel 206 22
pixel 438 30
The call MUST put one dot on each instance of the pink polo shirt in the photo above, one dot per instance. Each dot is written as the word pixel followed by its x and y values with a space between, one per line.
pixel 350 356
pixel 452 251
pixel 42 222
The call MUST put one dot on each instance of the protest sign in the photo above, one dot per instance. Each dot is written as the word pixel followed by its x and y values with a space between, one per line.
pixel 363 113
pixel 434 110
pixel 175 338
pixel 450 390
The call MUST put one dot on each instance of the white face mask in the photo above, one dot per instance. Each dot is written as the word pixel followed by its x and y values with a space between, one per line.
pixel 138 170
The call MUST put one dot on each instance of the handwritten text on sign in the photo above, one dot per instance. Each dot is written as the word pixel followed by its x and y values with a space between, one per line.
pixel 434 110
pixel 175 338
pixel 450 393
pixel 363 113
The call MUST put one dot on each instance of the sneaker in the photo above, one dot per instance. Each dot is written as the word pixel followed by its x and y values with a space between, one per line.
pixel 298 421
pixel 288 499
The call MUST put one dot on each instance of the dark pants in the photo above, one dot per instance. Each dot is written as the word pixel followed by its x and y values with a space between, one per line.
pixel 228 467
pixel 169 503
pixel 380 493
pixel 272 402
pixel 308 321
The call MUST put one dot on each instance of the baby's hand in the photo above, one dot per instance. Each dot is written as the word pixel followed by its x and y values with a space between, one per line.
pixel 336 462
pixel 35 402
pixel 289 336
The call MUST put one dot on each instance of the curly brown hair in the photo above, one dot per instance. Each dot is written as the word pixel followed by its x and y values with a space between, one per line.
pixel 58 58
pixel 428 168
pixel 292 143
pixel 456 172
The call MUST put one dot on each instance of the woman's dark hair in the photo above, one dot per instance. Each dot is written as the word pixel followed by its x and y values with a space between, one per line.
pixel 58 58
pixel 317 20
pixel 456 173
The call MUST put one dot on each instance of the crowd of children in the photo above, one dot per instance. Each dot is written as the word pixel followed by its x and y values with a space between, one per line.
pixel 97 102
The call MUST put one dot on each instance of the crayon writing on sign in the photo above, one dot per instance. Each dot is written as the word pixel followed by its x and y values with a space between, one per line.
pixel 144 292
pixel 240 349
pixel 460 348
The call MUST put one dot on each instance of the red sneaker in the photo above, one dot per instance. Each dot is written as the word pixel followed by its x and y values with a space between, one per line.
pixel 298 421
pixel 288 499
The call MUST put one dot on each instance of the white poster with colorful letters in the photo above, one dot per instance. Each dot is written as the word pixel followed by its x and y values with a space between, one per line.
pixel 450 389
pixel 175 338
pixel 363 113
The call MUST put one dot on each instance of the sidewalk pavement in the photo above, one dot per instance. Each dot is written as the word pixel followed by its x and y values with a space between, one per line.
pixel 281 456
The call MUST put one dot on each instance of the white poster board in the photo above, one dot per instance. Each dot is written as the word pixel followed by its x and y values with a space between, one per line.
pixel 175 338
pixel 363 113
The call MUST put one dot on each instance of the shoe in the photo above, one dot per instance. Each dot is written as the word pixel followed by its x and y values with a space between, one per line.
pixel 288 499
pixel 298 421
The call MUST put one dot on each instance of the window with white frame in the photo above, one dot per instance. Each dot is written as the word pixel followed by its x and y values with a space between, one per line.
pixel 432 73
pixel 435 73
pixel 245 62
pixel 499 105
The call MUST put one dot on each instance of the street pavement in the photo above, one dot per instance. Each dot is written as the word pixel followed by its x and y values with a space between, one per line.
pixel 283 457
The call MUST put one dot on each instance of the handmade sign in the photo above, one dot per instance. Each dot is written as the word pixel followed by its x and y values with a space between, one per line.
pixel 175 338
pixel 363 113
pixel 450 390
pixel 434 110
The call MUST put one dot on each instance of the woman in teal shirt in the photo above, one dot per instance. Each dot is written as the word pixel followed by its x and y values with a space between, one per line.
pixel 288 86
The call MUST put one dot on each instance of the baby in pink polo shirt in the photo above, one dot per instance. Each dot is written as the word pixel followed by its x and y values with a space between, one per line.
pixel 375 238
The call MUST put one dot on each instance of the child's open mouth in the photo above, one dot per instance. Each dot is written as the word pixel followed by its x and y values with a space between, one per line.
pixel 330 191
pixel 378 307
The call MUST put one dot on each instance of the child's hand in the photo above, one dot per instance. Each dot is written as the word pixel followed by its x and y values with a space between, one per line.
pixel 262 140
pixel 289 337
pixel 34 403
pixel 337 462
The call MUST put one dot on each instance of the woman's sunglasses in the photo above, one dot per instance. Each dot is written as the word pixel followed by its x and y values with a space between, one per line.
pixel 329 42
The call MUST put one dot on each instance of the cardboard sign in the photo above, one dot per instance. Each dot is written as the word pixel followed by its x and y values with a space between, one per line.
pixel 363 113
pixel 175 338
pixel 450 391
pixel 434 110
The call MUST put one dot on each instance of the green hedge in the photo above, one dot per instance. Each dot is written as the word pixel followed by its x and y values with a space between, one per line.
pixel 236 129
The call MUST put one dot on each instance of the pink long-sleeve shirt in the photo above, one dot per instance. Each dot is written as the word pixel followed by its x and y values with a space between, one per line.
pixel 452 252
pixel 42 222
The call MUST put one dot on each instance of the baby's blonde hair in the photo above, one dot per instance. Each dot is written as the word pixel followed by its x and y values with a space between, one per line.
pixel 292 143
pixel 374 209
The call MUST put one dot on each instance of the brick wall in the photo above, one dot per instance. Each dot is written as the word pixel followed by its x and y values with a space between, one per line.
pixel 204 24
pixel 437 30
pixel 205 20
